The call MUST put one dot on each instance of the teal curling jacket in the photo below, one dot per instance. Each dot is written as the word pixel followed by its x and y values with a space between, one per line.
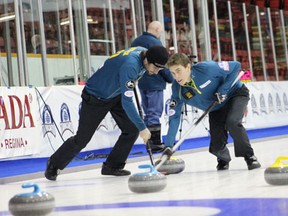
pixel 117 76
pixel 208 78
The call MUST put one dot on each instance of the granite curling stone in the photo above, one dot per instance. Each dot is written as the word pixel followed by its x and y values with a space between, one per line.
pixel 31 204
pixel 173 165
pixel 147 182
pixel 277 173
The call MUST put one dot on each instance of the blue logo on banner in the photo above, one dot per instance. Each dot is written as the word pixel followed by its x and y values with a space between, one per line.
pixel 254 105
pixel 48 122
pixel 278 103
pixel 285 102
pixel 270 103
pixel 65 124
pixel 262 104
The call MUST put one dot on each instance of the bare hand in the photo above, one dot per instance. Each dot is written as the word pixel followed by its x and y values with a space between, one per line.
pixel 145 135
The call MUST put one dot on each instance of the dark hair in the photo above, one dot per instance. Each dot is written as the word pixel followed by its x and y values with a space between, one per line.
pixel 143 55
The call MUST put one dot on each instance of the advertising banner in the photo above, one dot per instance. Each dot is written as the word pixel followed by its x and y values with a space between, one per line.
pixel 20 132
pixel 34 122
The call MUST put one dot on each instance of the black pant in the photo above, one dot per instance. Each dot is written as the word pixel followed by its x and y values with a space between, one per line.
pixel 229 119
pixel 93 111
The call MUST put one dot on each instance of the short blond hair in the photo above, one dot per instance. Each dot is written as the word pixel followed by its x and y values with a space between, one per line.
pixel 178 59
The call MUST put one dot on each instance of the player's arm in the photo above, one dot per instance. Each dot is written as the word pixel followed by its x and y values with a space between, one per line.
pixel 166 74
pixel 127 77
pixel 175 107
pixel 229 71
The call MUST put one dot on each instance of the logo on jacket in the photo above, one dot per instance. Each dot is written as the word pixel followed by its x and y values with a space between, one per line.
pixel 173 103
pixel 188 94
pixel 224 65
pixel 205 84
pixel 130 84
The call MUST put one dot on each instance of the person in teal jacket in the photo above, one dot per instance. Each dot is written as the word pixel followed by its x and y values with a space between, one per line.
pixel 199 86
pixel 110 89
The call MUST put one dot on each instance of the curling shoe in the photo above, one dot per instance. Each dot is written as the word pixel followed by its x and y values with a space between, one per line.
pixel 106 170
pixel 51 171
pixel 252 162
pixel 222 165
pixel 156 148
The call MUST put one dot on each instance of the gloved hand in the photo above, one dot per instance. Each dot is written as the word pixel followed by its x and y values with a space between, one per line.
pixel 220 98
pixel 145 135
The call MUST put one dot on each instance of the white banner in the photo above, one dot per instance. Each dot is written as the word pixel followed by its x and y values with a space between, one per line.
pixel 59 110
pixel 37 121
pixel 268 105
pixel 19 122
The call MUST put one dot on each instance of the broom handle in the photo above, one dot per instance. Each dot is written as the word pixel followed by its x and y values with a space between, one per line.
pixel 142 116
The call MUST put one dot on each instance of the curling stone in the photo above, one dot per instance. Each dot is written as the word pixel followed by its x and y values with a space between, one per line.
pixel 173 165
pixel 147 182
pixel 277 173
pixel 32 204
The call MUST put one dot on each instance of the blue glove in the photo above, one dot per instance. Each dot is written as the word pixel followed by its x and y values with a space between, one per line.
pixel 220 98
